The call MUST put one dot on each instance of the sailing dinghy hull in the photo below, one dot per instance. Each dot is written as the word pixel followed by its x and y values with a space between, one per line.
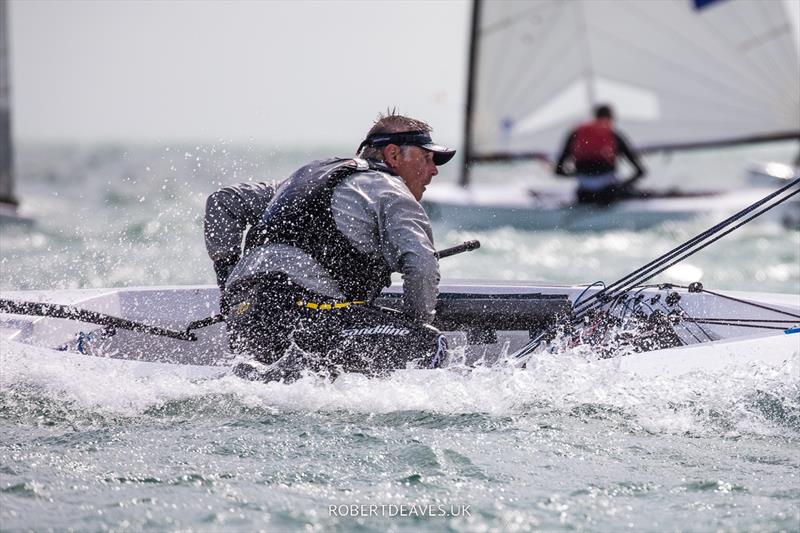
pixel 775 174
pixel 485 322
pixel 492 206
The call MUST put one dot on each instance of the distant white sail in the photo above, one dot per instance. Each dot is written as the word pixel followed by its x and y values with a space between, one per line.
pixel 678 72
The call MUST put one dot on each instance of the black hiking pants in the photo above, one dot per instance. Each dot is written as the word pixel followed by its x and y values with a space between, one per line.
pixel 610 195
pixel 287 329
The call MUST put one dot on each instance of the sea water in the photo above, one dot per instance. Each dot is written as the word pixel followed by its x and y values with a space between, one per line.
pixel 559 445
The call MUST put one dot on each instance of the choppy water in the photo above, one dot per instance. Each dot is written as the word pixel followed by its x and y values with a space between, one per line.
pixel 557 446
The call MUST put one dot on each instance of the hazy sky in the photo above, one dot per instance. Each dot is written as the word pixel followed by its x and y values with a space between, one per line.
pixel 272 71
pixel 289 72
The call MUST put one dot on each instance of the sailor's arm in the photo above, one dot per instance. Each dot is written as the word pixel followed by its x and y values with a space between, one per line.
pixel 566 153
pixel 408 243
pixel 229 211
pixel 632 156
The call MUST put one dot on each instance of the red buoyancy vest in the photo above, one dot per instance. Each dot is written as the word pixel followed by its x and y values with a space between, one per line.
pixel 595 142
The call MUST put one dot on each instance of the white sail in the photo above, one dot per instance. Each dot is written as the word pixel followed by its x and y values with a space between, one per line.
pixel 678 72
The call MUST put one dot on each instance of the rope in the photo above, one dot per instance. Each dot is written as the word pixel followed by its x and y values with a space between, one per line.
pixel 674 256
pixel 645 272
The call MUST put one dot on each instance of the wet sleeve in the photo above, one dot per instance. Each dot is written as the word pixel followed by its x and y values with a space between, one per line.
pixel 630 155
pixel 565 154
pixel 407 242
pixel 229 212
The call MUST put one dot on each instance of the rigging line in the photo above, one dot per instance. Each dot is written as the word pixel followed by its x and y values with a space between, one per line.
pixel 752 304
pixel 632 303
pixel 689 332
pixel 52 310
pixel 708 319
pixel 629 308
pixel 684 326
pixel 636 299
pixel 719 236
pixel 533 344
pixel 690 243
pixel 753 326
pixel 607 291
pixel 691 319
pixel 597 303
pixel 651 274
pixel 666 311
pixel 626 305
pixel 578 299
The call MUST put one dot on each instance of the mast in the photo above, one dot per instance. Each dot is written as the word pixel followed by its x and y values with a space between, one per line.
pixel 471 69
pixel 591 95
pixel 7 198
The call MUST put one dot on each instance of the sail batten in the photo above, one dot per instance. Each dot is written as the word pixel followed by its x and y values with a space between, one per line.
pixel 678 76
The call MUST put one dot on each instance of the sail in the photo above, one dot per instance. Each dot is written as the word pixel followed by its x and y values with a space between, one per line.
pixel 679 73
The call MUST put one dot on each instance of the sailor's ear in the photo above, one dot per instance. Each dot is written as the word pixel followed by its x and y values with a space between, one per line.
pixel 391 152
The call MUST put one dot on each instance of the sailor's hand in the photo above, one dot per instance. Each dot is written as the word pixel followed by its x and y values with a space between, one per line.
pixel 629 183
pixel 223 268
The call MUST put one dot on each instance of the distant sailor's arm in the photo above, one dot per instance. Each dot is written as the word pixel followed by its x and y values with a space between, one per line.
pixel 229 211
pixel 632 156
pixel 408 241
pixel 565 154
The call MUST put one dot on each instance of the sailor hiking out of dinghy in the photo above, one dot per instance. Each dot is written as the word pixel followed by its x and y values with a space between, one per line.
pixel 322 246
pixel 592 149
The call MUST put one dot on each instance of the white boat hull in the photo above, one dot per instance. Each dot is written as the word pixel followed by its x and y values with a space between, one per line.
pixel 771 173
pixel 492 206
pixel 41 339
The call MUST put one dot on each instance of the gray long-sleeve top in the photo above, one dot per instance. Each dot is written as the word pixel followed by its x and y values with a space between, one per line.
pixel 377 213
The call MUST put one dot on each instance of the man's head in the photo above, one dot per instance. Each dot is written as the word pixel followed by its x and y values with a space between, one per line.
pixel 603 111
pixel 404 144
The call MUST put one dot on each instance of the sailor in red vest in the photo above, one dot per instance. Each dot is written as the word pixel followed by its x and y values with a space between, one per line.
pixel 591 150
